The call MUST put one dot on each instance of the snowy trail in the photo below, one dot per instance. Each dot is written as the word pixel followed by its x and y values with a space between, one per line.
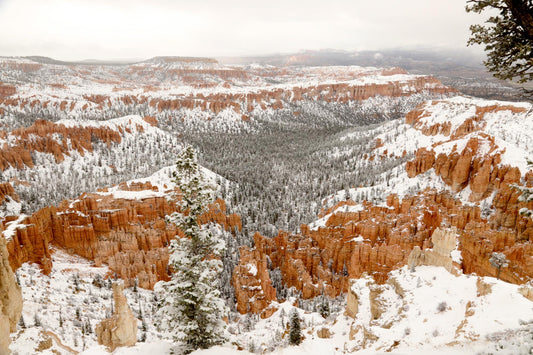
pixel 60 344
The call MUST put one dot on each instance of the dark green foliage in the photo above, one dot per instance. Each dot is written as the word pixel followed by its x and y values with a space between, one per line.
pixel 295 330
pixel 323 307
pixel 507 37
pixel 193 308
pixel 22 324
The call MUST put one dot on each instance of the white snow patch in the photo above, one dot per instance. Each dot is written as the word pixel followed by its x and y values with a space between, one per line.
pixel 252 269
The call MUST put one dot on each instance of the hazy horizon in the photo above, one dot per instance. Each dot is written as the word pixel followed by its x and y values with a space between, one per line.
pixel 120 30
pixel 463 53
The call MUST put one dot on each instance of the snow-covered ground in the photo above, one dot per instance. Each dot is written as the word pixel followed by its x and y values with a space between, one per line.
pixel 422 311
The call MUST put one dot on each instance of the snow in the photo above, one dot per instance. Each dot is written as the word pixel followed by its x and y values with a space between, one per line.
pixel 114 123
pixel 163 184
pixel 513 132
pixel 140 349
pixel 510 134
pixel 414 317
pixel 252 269
pixel 456 256
pixel 132 195
pixel 10 207
pixel 12 226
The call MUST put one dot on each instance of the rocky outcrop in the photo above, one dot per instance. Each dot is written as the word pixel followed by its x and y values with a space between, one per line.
pixel 352 303
pixel 444 242
pixel 5 339
pixel 420 119
pixel 10 300
pixel 17 153
pixel 253 286
pixel 129 235
pixel 477 169
pixel 10 294
pixel 121 328
pixel 342 87
pixel 341 92
pixel 7 90
pixel 7 191
pixel 377 240
pixel 324 333
pixel 468 167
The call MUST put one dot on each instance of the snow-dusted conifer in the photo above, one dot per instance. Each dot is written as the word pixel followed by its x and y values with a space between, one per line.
pixel 193 308
pixel 295 329
pixel 527 195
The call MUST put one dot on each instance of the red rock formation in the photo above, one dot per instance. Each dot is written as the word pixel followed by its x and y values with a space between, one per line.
pixel 43 139
pixel 25 67
pixel 252 282
pixel 482 173
pixel 244 103
pixel 377 240
pixel 6 189
pixel 131 236
pixel 474 123
pixel 506 231
pixel 7 90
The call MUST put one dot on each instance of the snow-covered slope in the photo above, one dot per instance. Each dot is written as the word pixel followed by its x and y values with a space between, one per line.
pixel 426 310
pixel 502 129
pixel 85 155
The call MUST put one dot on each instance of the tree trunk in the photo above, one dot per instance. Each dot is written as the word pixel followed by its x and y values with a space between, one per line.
pixel 523 15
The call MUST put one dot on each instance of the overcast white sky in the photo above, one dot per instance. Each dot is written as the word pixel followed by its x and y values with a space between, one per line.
pixel 118 29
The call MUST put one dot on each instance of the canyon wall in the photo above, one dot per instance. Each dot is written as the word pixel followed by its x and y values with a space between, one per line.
pixel 10 300
pixel 129 235
pixel 345 88
pixel 378 239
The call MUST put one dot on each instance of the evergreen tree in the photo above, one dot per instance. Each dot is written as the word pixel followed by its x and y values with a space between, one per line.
pixel 323 307
pixel 507 36
pixel 193 307
pixel 22 324
pixel 295 330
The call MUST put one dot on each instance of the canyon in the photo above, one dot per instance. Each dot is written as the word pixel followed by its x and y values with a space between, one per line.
pixel 442 195
pixel 356 239
pixel 128 234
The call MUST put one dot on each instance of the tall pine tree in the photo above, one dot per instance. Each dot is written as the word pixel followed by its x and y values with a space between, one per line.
pixel 193 309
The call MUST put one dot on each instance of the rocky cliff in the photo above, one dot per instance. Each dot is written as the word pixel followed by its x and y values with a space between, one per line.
pixel 7 90
pixel 10 300
pixel 197 84
pixel 240 103
pixel 129 234
pixel 59 140
pixel 252 282
pixel 444 243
